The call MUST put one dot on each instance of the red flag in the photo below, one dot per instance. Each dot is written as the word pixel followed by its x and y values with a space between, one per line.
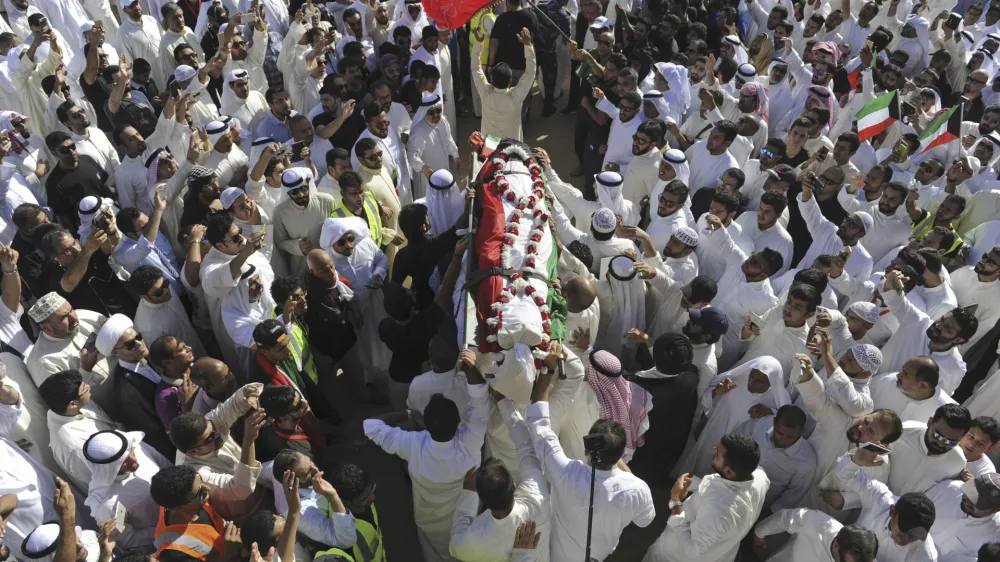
pixel 452 14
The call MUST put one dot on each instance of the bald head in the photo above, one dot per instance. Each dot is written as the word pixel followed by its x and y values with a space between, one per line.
pixel 321 266
pixel 214 378
pixel 580 292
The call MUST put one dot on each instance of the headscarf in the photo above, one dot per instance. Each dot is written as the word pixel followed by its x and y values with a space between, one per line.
pixel 104 452
pixel 153 166
pixel 231 103
pixel 678 98
pixel 614 394
pixel 14 57
pixel 18 145
pixel 87 209
pixel 111 332
pixel 831 48
pixel 678 161
pixel 215 130
pixel 335 228
pixel 762 59
pixel 741 52
pixel 990 138
pixel 609 195
pixel 445 202
pixel 655 97
pixel 753 88
pixel 921 59
pixel 429 101
pixel 823 95
pixel 257 149
pixel 628 306
pixel 239 314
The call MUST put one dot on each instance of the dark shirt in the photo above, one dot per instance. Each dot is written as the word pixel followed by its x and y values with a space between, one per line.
pixel 973 110
pixel 137 394
pixel 30 263
pixel 329 329
pixel 505 30
pixel 99 290
pixel 195 212
pixel 411 95
pixel 418 261
pixel 801 237
pixel 801 157
pixel 408 342
pixel 98 94
pixel 549 29
pixel 271 441
pixel 136 110
pixel 349 130
pixel 65 188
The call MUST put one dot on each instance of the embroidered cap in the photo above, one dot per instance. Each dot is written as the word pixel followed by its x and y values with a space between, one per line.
pixel 604 221
pixel 229 196
pixel 868 356
pixel 687 236
pixel 865 310
pixel 45 306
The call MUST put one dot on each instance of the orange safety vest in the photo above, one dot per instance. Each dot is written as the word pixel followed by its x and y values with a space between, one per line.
pixel 197 540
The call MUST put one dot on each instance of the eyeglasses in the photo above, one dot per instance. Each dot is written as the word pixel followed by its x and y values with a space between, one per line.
pixel 433 112
pixel 641 140
pixel 212 436
pixel 201 495
pixel 71 147
pixel 626 107
pixel 344 241
pixel 974 81
pixel 938 437
pixel 605 42
pixel 133 343
pixel 988 259
pixel 239 44
pixel 373 155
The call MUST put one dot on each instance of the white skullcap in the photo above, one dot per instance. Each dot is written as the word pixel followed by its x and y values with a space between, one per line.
pixel 229 196
pixel 442 180
pixel 215 130
pixel 604 221
pixel 126 3
pixel 609 179
pixel 687 235
pixel 86 26
pixel 184 72
pixel 600 22
pixel 748 70
pixel 294 178
pixel 45 306
pixel 105 447
pixel 865 310
pixel 868 356
pixel 111 332
pixel 866 221
pixel 675 156
pixel 41 542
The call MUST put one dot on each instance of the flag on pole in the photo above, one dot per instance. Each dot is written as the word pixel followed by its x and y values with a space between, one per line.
pixel 453 14
pixel 877 115
pixel 946 127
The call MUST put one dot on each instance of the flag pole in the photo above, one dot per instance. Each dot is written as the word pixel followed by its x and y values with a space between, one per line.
pixel 546 16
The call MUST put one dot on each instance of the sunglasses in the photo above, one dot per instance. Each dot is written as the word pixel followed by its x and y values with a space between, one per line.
pixel 344 241
pixel 201 495
pixel 373 155
pixel 133 343
pixel 989 260
pixel 626 107
pixel 640 140
pixel 433 112
pixel 71 147
pixel 766 152
pixel 606 43
pixel 938 437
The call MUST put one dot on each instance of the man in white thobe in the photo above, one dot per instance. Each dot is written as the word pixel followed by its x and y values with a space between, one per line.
pixel 139 37
pixel 298 218
pixel 608 186
pixel 928 453
pixel 643 171
pixel 489 536
pixel 980 285
pixel 710 158
pixel 919 335
pixel 624 123
pixel 430 146
pixel 785 456
pixel 829 238
pixel 601 240
pixel 437 463
pixel 228 160
pixel 816 536
pixel 763 230
pixel 67 17
pixel 161 312
pixel 709 523
pixel 892 223
pixel 901 523
pixel 967 515
pixel 433 53
pixel 913 393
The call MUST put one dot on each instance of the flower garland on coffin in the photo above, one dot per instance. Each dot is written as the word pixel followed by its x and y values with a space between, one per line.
pixel 513 310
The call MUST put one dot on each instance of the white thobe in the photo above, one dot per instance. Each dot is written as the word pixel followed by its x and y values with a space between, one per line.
pixel 715 519
pixel 436 469
pixel 620 141
pixel 27 79
pixel 68 434
pixel 485 538
pixel 889 230
pixel 141 40
pixel 791 470
pixel 826 241
pixel 940 300
pixel 777 238
pixel 736 297
pixel 14 192
pixel 706 168
pixel 50 355
pixel 664 309
pixel 441 59
pixel 394 158
pixel 812 533
pixel 876 499
pixel 96 145
pixel 252 111
pixel 429 146
pixel 777 340
pixel 829 439
pixel 660 229
pixel 913 469
pixel 981 466
pixel 132 177
pixel 66 17
pixel 885 394
pixel 366 262
pixel 954 532
pixel 450 384
pixel 969 290
pixel 253 64
pixel 217 282
pixel 226 164
pixel 711 261
pixel 620 498
pixel 641 175
pixel 292 222
pixel 857 290
pixel 982 238
pixel 911 340
pixel 167 319
pixel 169 42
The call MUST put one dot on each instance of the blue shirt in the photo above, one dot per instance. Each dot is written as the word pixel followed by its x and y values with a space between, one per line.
pixel 271 127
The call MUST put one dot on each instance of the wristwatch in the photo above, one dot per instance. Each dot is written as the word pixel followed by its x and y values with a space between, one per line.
pixel 673 504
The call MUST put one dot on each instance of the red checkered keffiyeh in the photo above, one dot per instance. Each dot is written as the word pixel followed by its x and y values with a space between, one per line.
pixel 614 393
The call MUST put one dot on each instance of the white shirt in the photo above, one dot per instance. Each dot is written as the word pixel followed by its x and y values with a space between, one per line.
pixel 711 261
pixel 167 319
pixel 69 433
pixel 826 241
pixel 791 470
pixel 982 466
pixel 940 300
pixel 715 519
pixel 437 468
pixel 706 168
pixel 954 532
pixel 887 394
pixel 619 497
pixel 889 231
pixel 913 469
pixel 449 383
pixel 864 290
pixel 776 238
pixel 970 290
pixel 620 142
pixel 812 534
pixel 484 538
pixel 141 40
pixel 911 340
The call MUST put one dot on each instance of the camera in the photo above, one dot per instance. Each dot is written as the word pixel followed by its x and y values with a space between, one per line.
pixel 100 221
pixel 593 443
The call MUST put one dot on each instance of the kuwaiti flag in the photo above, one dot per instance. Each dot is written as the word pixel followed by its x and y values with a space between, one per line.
pixel 877 115
pixel 946 127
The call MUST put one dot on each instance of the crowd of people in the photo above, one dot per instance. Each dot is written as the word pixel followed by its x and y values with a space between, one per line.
pixel 773 298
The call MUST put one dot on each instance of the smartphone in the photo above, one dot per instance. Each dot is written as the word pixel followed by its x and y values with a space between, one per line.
pixel 756 320
pixel 873 448
pixel 297 151
pixel 953 21
pixel 91 343
pixel 250 19
pixel 119 518
pixel 907 108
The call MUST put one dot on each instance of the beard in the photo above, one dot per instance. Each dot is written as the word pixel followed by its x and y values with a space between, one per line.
pixel 935 335
pixel 853 434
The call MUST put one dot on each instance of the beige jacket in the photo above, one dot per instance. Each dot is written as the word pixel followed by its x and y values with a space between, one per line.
pixel 502 108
